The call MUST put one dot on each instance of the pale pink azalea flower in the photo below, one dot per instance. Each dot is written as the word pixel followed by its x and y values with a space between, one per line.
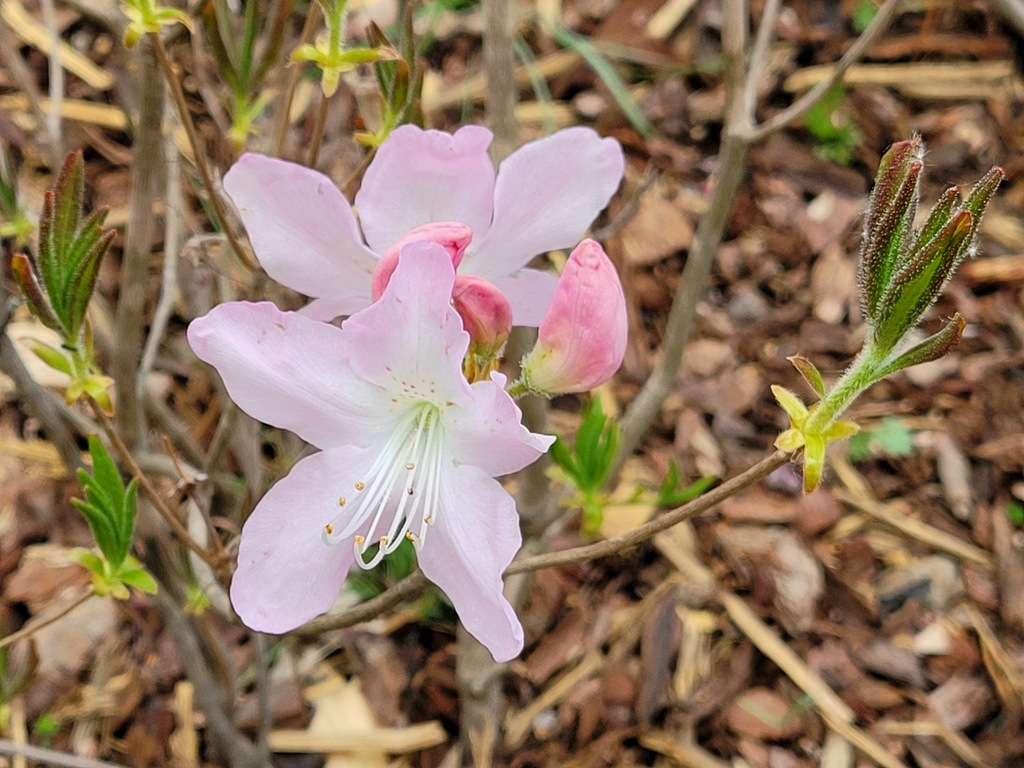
pixel 409 449
pixel 545 196
pixel 582 339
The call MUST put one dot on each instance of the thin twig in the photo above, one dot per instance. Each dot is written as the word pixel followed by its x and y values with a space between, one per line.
pixel 410 585
pixel 172 240
pixel 147 488
pixel 24 83
pixel 318 130
pixel 190 487
pixel 293 78
pixel 198 151
pixel 759 55
pixel 52 756
pixel 800 107
pixel 56 73
pixel 262 664
pixel 42 621
pixel 663 522
pixel 406 589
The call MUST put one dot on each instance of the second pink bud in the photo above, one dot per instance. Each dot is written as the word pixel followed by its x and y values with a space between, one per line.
pixel 582 339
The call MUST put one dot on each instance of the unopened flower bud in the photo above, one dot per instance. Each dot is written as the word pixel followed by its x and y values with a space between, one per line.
pixel 450 235
pixel 582 338
pixel 486 314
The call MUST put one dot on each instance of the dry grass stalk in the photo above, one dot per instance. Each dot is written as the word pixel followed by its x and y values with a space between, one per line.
pixel 396 741
pixel 35 34
pixel 915 529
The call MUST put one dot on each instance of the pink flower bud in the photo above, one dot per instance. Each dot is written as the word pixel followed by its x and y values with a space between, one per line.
pixel 486 314
pixel 451 235
pixel 582 338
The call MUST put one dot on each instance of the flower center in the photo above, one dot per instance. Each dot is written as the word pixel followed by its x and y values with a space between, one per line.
pixel 403 483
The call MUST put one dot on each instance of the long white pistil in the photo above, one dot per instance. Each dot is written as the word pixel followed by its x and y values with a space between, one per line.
pixel 410 464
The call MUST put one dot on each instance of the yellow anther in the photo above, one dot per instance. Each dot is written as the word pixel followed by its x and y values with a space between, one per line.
pixel 341 501
pixel 330 528
pixel 360 485
pixel 359 540
pixel 410 465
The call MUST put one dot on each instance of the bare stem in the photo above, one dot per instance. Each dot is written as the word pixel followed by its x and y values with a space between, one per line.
pixel 800 107
pixel 293 78
pixel 407 588
pixel 43 621
pixel 56 74
pixel 172 240
pixel 198 151
pixel 318 130
pixel 52 756
pixel 149 490
pixel 661 523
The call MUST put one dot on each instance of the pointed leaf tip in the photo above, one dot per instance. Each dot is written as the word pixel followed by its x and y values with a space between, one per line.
pixel 810 373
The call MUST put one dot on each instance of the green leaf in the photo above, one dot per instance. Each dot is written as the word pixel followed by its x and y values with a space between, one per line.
pixel 1015 513
pixel 52 357
pixel 102 527
pixel 215 18
pixel 49 266
pixel 110 508
pixel 858 447
pixel 978 200
pixel 932 348
pixel 918 284
pixel 893 438
pixel 67 204
pixel 811 374
pixel 25 276
pixel 890 219
pixel 671 495
pixel 618 89
pixel 83 282
pixel 92 562
pixel 938 216
pixel 863 14
pixel 562 456
pixel 596 443
pixel 138 578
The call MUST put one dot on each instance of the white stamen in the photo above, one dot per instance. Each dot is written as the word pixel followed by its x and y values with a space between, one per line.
pixel 414 448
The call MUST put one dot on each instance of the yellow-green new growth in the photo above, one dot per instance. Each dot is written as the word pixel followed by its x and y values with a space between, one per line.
pixel 329 52
pixel 902 272
pixel 146 16
pixel 803 433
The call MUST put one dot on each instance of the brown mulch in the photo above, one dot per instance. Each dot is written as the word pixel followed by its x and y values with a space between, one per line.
pixel 634 659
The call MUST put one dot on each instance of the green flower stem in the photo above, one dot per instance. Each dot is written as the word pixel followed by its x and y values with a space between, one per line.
pixel 861 375
pixel 518 390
